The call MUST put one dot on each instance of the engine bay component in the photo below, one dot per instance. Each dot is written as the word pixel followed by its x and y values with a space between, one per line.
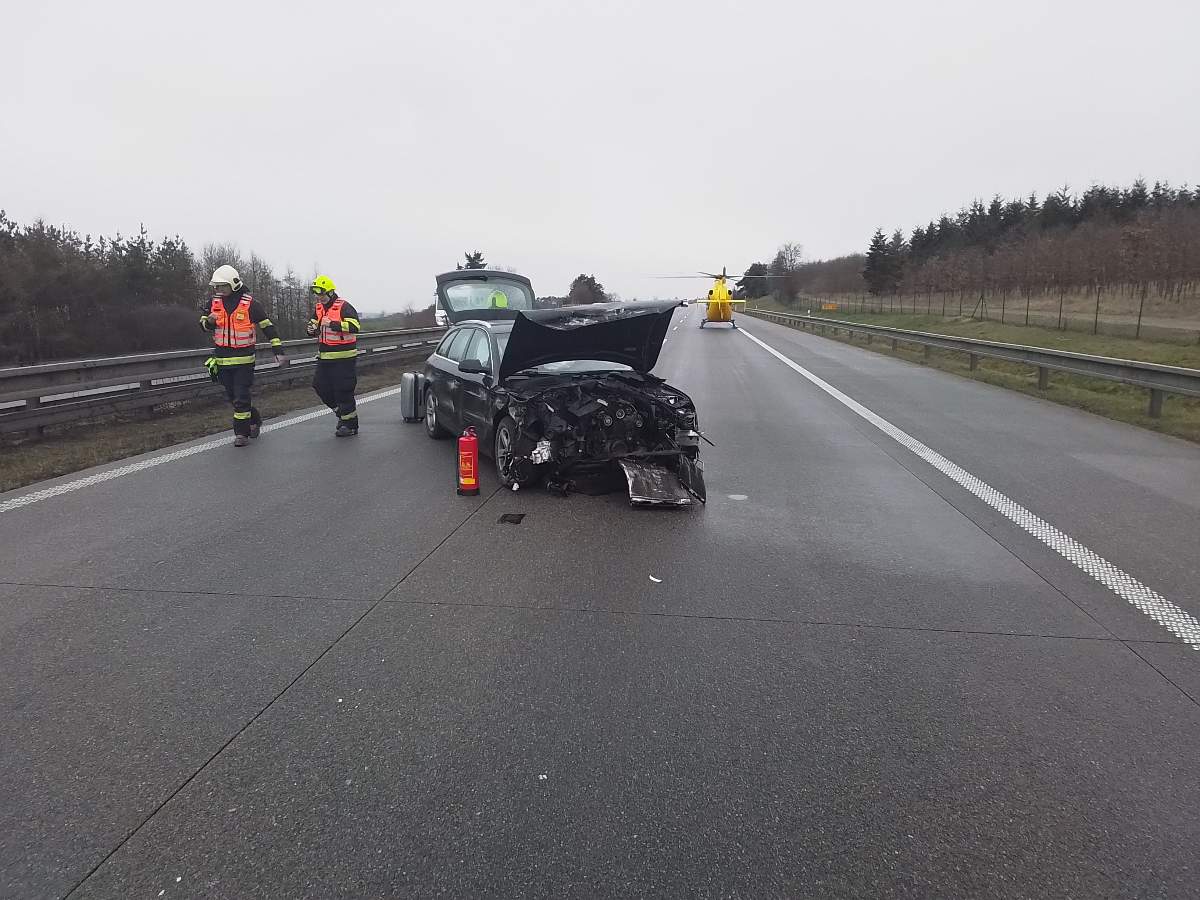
pixel 541 453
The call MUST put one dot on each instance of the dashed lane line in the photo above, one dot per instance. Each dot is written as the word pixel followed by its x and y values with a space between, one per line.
pixel 1177 621
pixel 140 466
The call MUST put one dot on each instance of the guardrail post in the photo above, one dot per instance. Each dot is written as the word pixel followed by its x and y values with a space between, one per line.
pixel 148 412
pixel 1043 378
pixel 870 338
pixel 1156 402
pixel 972 361
pixel 34 403
pixel 895 344
pixel 925 351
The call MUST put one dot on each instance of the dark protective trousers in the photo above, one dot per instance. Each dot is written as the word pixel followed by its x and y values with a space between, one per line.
pixel 335 381
pixel 237 381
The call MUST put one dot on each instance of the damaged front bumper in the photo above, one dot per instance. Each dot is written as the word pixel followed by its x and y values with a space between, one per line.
pixel 653 484
pixel 653 479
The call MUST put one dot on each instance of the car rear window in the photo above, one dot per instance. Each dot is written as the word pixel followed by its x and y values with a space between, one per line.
pixel 494 293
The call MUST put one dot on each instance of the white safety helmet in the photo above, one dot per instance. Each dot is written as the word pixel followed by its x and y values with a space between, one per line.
pixel 225 275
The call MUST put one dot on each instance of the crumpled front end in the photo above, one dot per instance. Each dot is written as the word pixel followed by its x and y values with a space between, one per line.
pixel 602 433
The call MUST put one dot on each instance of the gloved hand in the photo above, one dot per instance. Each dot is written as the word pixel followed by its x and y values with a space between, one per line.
pixel 283 361
pixel 312 327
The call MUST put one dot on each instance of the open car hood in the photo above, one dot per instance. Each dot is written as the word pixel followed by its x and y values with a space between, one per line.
pixel 628 333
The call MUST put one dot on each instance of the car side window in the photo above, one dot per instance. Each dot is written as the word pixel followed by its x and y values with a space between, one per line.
pixel 443 349
pixel 480 349
pixel 459 345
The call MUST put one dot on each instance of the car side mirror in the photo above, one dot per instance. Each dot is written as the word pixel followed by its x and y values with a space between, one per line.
pixel 473 367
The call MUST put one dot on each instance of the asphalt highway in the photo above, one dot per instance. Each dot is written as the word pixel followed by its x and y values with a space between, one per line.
pixel 927 638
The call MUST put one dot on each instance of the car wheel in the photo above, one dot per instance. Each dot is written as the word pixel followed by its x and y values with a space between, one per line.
pixel 433 428
pixel 505 439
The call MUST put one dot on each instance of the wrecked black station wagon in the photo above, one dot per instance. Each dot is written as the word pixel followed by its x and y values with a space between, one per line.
pixel 563 396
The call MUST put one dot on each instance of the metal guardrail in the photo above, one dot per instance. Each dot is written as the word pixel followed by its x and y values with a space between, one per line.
pixel 58 392
pixel 1157 379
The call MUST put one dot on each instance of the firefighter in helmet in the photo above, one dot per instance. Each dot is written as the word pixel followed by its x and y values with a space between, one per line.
pixel 335 324
pixel 231 315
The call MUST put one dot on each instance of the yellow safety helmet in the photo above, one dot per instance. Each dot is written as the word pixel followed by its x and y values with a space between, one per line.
pixel 323 284
pixel 498 300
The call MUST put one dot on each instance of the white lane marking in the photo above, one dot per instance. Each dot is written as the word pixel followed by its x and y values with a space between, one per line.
pixel 1179 622
pixel 100 477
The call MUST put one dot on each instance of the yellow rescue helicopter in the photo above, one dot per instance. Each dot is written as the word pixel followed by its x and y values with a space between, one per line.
pixel 720 301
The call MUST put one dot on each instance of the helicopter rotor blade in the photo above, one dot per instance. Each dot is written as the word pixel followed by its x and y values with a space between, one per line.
pixel 723 274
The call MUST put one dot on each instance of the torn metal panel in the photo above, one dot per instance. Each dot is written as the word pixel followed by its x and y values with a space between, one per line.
pixel 654 485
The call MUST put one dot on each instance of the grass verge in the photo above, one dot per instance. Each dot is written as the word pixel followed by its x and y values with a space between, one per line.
pixel 1162 352
pixel 1180 417
pixel 69 448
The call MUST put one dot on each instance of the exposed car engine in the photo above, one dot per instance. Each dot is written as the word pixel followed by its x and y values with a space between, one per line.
pixel 582 432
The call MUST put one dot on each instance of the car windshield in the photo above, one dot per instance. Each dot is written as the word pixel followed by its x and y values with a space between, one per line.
pixel 495 293
pixel 570 366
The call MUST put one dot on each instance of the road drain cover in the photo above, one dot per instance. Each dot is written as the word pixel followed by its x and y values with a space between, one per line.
pixel 510 519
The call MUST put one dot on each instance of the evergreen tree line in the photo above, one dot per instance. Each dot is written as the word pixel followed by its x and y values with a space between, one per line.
pixel 1130 242
pixel 66 295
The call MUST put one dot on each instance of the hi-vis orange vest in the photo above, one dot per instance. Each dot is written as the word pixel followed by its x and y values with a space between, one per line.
pixel 235 331
pixel 335 337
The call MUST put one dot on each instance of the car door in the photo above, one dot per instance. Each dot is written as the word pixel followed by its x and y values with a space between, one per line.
pixel 445 376
pixel 474 390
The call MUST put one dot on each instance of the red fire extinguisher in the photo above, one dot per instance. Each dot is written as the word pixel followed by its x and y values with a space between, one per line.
pixel 468 463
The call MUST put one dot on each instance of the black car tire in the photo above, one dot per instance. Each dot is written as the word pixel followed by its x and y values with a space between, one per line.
pixel 505 436
pixel 433 427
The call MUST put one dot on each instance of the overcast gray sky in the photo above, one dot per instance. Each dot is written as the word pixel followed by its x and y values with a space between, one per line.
pixel 380 141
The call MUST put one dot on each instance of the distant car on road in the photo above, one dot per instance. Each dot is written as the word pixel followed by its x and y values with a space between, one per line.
pixel 562 395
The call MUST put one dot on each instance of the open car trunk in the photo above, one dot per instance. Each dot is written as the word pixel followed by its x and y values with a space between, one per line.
pixel 483 294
